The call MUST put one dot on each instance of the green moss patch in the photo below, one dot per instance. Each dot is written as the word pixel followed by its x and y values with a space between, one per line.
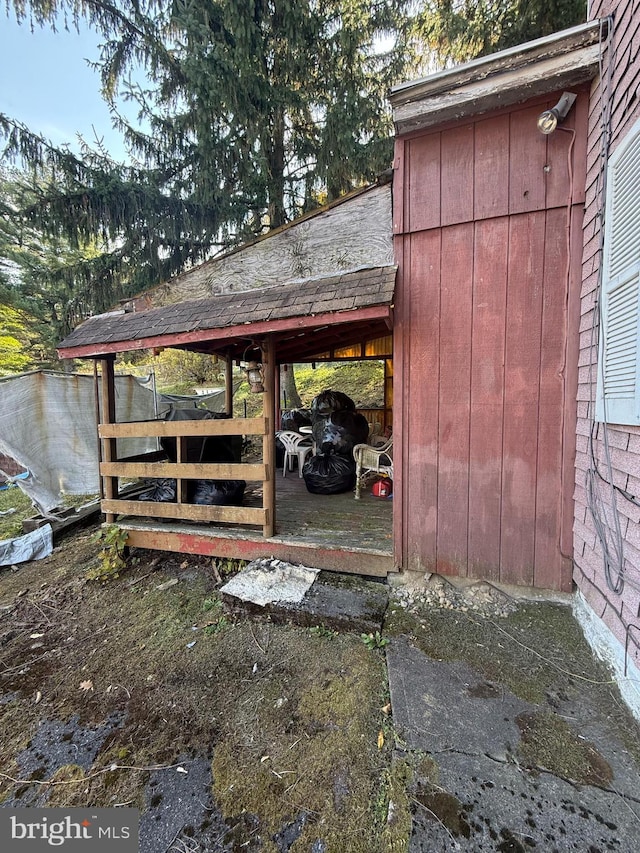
pixel 549 743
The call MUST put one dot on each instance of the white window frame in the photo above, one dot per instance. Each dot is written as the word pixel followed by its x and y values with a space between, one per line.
pixel 618 388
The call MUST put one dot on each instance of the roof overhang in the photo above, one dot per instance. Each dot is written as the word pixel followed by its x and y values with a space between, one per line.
pixel 306 318
pixel 558 61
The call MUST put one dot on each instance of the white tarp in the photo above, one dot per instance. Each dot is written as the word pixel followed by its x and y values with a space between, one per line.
pixel 32 546
pixel 48 425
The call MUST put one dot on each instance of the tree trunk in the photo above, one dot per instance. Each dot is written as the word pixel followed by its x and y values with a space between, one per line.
pixel 290 397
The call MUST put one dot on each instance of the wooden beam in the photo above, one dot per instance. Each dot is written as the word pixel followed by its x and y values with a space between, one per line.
pixel 186 470
pixel 109 449
pixel 228 385
pixel 251 547
pixel 205 427
pixel 269 437
pixel 190 512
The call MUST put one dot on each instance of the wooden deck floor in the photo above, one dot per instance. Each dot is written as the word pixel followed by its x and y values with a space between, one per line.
pixel 325 531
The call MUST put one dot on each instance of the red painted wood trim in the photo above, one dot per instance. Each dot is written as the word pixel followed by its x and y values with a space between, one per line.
pixel 246 548
pixel 247 330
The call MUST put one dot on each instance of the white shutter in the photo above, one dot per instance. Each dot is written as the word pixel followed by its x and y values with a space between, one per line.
pixel 618 396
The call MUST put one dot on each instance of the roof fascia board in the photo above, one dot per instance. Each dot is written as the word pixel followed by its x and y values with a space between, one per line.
pixel 246 330
pixel 511 88
pixel 566 58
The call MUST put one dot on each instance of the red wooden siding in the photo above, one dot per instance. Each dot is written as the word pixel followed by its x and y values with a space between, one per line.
pixel 480 337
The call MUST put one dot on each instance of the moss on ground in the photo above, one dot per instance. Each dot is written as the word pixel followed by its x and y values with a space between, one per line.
pixel 291 718
pixel 548 742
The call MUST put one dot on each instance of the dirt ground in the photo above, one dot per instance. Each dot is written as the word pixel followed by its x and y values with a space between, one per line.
pixel 110 692
pixel 234 734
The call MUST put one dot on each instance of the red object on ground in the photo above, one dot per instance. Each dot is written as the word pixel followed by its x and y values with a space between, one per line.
pixel 382 488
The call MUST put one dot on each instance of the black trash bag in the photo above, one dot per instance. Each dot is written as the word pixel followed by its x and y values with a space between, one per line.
pixel 293 419
pixel 163 490
pixel 340 432
pixel 210 448
pixel 330 401
pixel 329 475
pixel 219 492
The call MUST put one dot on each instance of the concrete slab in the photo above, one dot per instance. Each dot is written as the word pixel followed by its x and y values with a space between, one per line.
pixel 338 602
pixel 482 798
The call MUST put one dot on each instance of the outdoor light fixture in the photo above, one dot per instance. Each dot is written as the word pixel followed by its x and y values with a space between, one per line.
pixel 550 119
pixel 255 376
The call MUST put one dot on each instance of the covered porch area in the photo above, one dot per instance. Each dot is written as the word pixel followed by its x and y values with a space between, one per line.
pixel 343 316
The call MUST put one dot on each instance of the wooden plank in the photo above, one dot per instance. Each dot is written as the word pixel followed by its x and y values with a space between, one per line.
pixel 559 167
pixel 495 91
pixel 456 289
pixel 456 176
pixel 522 378
pixel 191 512
pixel 487 396
pixel 528 155
pixel 549 495
pixel 108 415
pixel 423 183
pixel 491 174
pixel 268 440
pixel 205 427
pixel 400 410
pixel 354 232
pixel 248 548
pixel 420 391
pixel 186 470
pixel 570 404
pixel 398 187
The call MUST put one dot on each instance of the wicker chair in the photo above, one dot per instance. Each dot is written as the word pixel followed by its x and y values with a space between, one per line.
pixel 372 460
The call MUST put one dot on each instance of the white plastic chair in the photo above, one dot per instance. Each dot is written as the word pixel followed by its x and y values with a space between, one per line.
pixel 295 446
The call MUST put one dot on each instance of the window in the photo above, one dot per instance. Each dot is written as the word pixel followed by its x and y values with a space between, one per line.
pixel 618 395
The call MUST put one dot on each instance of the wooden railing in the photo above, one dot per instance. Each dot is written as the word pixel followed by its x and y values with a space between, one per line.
pixel 112 468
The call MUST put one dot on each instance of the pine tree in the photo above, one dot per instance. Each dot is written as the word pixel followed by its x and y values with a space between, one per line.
pixel 455 31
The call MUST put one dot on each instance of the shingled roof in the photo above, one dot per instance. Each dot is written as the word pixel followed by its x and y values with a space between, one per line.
pixel 224 322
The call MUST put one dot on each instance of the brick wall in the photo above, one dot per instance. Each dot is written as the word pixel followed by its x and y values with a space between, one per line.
pixel 616 510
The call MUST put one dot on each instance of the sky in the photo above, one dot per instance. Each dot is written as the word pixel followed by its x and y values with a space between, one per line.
pixel 46 83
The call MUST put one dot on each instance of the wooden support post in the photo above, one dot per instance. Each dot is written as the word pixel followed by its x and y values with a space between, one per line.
pixel 108 416
pixel 276 393
pixel 269 437
pixel 228 386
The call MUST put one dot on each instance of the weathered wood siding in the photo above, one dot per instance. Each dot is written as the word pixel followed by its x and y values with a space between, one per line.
pixel 352 233
pixel 481 215
pixel 615 93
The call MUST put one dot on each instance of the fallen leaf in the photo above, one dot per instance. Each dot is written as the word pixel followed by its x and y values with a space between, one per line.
pixel 386 709
pixel 380 739
pixel 35 636
pixel 86 685
pixel 184 565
